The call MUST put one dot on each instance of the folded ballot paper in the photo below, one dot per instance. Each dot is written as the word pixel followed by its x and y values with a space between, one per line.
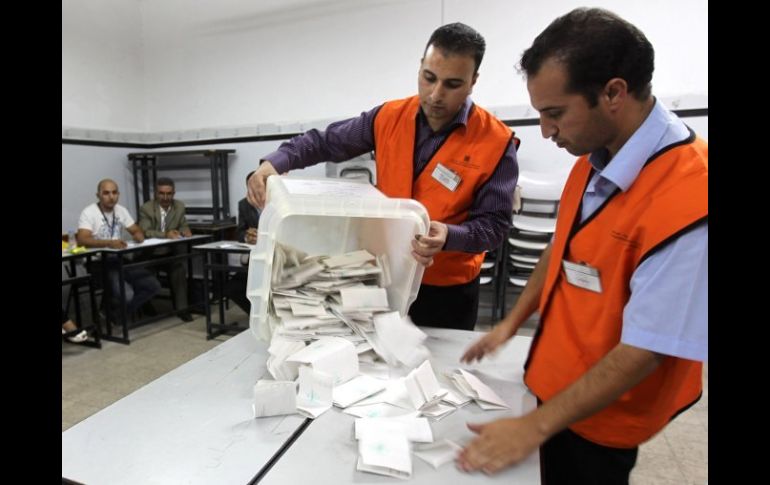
pixel 280 349
pixel 274 398
pixel 315 392
pixel 438 453
pixel 356 389
pixel 397 340
pixel 471 386
pixel 423 388
pixel 332 355
pixel 383 443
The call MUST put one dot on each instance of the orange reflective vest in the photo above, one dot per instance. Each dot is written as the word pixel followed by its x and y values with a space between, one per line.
pixel 472 151
pixel 579 327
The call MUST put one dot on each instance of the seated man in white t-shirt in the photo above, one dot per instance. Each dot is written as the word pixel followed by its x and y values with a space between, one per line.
pixel 100 226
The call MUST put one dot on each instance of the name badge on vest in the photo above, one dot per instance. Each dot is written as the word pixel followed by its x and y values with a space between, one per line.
pixel 446 177
pixel 582 276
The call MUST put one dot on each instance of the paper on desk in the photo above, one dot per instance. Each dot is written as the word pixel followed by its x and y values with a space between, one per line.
pixel 152 241
pixel 332 355
pixel 378 410
pixel 455 398
pixel 422 386
pixel 274 398
pixel 394 394
pixel 437 411
pixel 280 349
pixel 355 390
pixel 438 453
pixel 398 340
pixel 354 257
pixel 385 451
pixel 416 429
pixel 315 392
pixel 472 386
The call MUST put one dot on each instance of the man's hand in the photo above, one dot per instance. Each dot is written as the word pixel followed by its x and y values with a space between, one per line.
pixel 500 444
pixel 258 184
pixel 117 244
pixel 424 247
pixel 186 232
pixel 138 236
pixel 172 234
pixel 487 344
pixel 251 235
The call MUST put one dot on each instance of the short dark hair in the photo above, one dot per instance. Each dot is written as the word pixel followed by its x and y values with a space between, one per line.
pixel 458 38
pixel 165 181
pixel 594 45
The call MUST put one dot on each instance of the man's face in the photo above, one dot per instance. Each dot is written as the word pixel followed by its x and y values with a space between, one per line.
pixel 566 118
pixel 443 85
pixel 165 195
pixel 108 195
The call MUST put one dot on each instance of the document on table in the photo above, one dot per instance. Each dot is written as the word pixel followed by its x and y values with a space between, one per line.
pixel 422 386
pixel 274 398
pixel 355 390
pixel 385 451
pixel 332 355
pixel 315 392
pixel 472 386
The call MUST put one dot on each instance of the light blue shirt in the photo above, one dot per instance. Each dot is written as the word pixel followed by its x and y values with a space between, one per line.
pixel 668 309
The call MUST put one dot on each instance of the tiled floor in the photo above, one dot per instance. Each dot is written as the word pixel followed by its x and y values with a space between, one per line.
pixel 92 379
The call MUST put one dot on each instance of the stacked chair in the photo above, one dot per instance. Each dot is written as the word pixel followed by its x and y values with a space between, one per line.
pixel 533 225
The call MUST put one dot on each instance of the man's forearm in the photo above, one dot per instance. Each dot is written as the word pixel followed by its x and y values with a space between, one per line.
pixel 620 370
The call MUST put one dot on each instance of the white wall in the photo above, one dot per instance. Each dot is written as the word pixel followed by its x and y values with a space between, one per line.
pixel 82 168
pixel 231 63
pixel 240 62
pixel 102 74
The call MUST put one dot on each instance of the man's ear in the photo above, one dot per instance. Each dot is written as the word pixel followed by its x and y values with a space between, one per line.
pixel 615 92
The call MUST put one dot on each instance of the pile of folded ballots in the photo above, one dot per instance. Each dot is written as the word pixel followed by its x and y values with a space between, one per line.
pixel 340 345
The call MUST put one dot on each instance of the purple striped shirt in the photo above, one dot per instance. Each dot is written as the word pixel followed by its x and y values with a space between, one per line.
pixel 489 217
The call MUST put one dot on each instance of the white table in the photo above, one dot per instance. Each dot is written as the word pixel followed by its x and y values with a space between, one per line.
pixel 326 453
pixel 192 425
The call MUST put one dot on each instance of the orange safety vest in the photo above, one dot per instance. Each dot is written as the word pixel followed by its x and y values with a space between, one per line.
pixel 579 327
pixel 472 151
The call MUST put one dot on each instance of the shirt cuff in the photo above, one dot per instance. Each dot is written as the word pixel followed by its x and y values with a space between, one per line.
pixel 279 160
pixel 455 238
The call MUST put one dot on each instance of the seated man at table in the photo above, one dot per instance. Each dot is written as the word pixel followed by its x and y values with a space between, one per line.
pixel 248 221
pixel 101 225
pixel 164 217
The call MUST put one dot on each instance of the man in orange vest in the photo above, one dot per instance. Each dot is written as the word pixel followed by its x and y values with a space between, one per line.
pixel 441 149
pixel 622 289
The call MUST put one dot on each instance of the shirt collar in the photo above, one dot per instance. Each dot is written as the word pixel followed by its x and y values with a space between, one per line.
pixel 461 118
pixel 660 128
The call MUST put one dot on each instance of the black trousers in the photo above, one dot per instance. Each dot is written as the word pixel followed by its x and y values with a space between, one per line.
pixel 567 458
pixel 447 306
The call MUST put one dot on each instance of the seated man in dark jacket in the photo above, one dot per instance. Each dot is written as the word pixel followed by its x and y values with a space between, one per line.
pixel 248 221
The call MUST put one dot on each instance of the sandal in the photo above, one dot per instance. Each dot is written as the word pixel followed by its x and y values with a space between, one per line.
pixel 75 336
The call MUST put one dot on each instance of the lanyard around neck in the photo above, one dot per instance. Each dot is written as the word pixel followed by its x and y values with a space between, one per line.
pixel 106 222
